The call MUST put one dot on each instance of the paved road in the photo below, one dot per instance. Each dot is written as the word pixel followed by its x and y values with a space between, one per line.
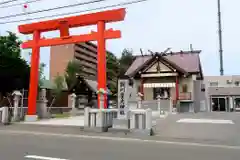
pixel 17 145
pixel 200 132
pixel 167 130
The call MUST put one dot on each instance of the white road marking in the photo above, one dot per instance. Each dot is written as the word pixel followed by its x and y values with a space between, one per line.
pixel 212 121
pixel 42 158
pixel 14 132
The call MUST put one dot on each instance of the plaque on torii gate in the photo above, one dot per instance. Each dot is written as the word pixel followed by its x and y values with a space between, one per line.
pixel 63 25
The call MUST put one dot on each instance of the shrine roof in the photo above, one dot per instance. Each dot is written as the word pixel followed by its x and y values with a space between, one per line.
pixel 186 60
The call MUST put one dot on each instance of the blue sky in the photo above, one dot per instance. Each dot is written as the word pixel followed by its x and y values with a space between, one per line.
pixel 157 25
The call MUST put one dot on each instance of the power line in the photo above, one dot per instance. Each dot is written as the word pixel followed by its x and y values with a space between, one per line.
pixel 10 1
pixel 18 4
pixel 70 13
pixel 51 9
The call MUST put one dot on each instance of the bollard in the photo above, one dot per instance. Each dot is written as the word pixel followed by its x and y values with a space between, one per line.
pixel 159 103
pixel 43 111
pixel 141 121
pixel 148 119
pixel 73 104
pixel 139 102
pixel 86 117
pixel 5 116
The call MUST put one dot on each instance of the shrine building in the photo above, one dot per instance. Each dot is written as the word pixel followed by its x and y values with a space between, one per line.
pixel 176 76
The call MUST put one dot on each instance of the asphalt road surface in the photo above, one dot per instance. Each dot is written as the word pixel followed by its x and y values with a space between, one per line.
pixel 47 146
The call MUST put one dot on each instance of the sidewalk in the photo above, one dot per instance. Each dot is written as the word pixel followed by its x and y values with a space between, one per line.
pixel 73 121
pixel 70 121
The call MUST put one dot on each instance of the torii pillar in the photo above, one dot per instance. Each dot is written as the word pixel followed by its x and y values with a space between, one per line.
pixel 63 25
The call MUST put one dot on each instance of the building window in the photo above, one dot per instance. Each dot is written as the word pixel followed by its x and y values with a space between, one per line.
pixel 229 82
pixel 164 93
pixel 237 83
pixel 184 88
pixel 213 84
pixel 203 87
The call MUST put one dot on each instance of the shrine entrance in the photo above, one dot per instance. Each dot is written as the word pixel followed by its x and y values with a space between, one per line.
pixel 63 25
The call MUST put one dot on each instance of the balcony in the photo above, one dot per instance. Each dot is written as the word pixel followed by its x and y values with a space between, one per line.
pixel 185 96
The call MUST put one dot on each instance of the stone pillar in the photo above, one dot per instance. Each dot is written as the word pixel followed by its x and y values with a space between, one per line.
pixel 141 122
pixel 73 104
pixel 17 95
pixel 139 102
pixel 148 119
pixel 159 103
pixel 5 115
pixel 171 106
pixel 231 105
pixel 43 112
pixel 86 117
pixel 101 101
pixel 100 119
pixel 133 121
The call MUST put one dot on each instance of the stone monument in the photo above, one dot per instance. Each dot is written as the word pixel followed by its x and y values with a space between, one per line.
pixel 73 104
pixel 42 104
pixel 17 95
pixel 125 93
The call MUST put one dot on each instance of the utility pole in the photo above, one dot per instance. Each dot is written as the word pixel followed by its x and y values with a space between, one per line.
pixel 220 38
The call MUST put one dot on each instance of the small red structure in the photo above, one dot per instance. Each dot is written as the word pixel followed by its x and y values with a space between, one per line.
pixel 63 25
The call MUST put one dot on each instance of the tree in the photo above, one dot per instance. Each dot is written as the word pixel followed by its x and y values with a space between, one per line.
pixel 10 45
pixel 14 70
pixel 125 60
pixel 41 74
pixel 58 85
pixel 113 69
pixel 58 88
pixel 72 70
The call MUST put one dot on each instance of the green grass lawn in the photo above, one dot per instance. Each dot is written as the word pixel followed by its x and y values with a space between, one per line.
pixel 63 115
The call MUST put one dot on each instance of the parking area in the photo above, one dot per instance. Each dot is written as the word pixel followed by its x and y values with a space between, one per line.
pixel 201 127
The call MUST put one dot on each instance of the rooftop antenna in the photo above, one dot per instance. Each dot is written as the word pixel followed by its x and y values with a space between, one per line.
pixel 164 53
pixel 166 50
pixel 141 51
pixel 151 52
pixel 142 55
pixel 191 47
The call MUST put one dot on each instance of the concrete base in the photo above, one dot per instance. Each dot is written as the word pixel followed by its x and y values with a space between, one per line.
pixel 121 123
pixel 74 112
pixel 94 129
pixel 162 115
pixel 16 119
pixel 31 118
pixel 117 130
pixel 143 132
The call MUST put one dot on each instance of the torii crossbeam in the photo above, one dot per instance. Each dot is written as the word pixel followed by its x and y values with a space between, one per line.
pixel 63 25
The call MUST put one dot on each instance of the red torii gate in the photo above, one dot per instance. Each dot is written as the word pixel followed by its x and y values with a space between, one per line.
pixel 63 25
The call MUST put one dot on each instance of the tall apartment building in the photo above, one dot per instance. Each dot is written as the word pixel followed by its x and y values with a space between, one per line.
pixel 85 53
